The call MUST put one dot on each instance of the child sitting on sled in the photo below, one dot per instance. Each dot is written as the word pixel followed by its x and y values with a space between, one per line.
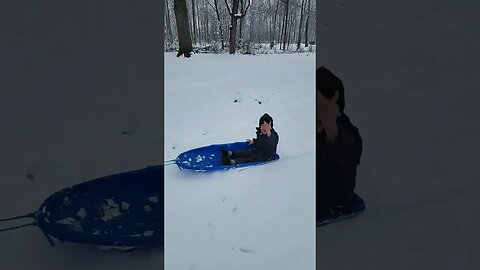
pixel 339 147
pixel 264 146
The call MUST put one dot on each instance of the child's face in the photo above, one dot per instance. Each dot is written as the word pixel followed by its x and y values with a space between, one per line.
pixel 265 127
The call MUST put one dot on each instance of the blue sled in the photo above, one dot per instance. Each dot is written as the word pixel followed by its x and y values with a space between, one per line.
pixel 209 158
pixel 121 210
pixel 357 208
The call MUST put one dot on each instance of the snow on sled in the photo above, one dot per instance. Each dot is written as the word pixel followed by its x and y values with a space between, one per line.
pixel 120 210
pixel 357 208
pixel 209 158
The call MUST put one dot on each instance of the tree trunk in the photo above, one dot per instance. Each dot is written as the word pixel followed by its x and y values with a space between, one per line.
pixel 240 40
pixel 207 26
pixel 169 26
pixel 280 41
pixel 306 24
pixel 287 4
pixel 299 40
pixel 184 39
pixel 233 27
pixel 272 33
pixel 290 28
pixel 194 20
pixel 219 23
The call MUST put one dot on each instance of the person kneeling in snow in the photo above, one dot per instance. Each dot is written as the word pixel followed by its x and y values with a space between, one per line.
pixel 264 146
pixel 339 147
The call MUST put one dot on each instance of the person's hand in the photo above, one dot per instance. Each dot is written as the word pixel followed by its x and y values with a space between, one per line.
pixel 327 109
pixel 250 141
pixel 266 129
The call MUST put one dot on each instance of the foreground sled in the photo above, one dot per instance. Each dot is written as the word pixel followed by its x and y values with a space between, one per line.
pixel 357 208
pixel 209 158
pixel 121 210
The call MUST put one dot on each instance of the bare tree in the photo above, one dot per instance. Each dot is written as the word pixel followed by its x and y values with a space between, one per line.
pixel 273 25
pixel 234 15
pixel 184 39
pixel 287 4
pixel 299 40
pixel 306 23
pixel 194 23
pixel 220 29
pixel 241 23
pixel 169 26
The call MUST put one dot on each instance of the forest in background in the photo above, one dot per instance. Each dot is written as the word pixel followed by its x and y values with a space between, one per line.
pixel 239 26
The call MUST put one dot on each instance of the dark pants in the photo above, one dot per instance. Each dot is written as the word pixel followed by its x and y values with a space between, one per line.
pixel 335 187
pixel 245 156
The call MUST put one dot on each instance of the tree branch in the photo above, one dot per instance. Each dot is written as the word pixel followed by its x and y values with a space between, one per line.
pixel 210 4
pixel 228 8
pixel 245 12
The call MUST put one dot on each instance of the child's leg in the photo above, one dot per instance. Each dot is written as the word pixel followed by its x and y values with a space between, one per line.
pixel 241 154
pixel 250 157
pixel 241 160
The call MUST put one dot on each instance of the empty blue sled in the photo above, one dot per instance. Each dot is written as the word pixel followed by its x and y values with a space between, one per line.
pixel 209 158
pixel 357 208
pixel 120 210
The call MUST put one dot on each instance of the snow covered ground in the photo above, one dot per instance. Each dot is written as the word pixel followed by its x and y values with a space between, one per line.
pixel 409 68
pixel 73 78
pixel 258 218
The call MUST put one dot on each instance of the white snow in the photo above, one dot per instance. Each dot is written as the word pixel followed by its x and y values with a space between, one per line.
pixel 148 233
pixel 118 248
pixel 153 199
pixel 110 210
pixel 125 206
pixel 66 221
pixel 72 223
pixel 66 201
pixel 82 213
pixel 270 211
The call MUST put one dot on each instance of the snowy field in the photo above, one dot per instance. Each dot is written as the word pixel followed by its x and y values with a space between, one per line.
pixel 73 78
pixel 258 218
pixel 409 68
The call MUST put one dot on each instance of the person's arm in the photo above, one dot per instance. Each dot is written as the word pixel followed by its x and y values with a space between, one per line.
pixel 331 131
pixel 258 135
pixel 341 144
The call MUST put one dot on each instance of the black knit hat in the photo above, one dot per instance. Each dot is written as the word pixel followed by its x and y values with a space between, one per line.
pixel 328 83
pixel 265 118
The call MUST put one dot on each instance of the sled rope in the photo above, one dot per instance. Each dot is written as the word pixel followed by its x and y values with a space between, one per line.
pixel 169 162
pixel 31 215
pixel 20 226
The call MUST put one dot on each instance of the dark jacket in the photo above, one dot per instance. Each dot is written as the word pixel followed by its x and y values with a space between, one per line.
pixel 266 146
pixel 337 165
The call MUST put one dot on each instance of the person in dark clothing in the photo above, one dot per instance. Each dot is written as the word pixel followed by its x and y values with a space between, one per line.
pixel 339 147
pixel 264 146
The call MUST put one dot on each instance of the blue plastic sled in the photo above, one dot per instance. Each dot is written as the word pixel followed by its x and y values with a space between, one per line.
pixel 209 158
pixel 121 210
pixel 357 208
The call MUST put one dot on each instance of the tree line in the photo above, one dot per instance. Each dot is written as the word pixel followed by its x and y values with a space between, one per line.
pixel 235 24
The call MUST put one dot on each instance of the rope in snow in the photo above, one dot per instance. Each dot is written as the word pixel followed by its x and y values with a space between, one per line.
pixel 31 215
pixel 169 162
pixel 20 226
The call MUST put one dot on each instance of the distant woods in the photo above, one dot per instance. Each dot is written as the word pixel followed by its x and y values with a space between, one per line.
pixel 233 25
